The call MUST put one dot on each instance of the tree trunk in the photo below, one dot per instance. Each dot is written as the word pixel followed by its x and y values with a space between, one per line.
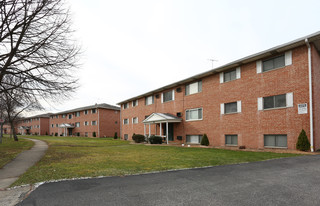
pixel 15 137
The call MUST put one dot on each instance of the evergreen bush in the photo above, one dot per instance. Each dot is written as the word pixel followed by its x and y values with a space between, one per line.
pixel 56 134
pixel 205 140
pixel 155 139
pixel 303 143
pixel 138 138
pixel 94 134
pixel 115 135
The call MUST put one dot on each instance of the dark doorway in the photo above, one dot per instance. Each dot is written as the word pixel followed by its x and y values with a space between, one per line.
pixel 170 131
pixel 69 131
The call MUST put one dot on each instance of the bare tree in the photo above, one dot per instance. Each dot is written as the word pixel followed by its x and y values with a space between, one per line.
pixel 14 103
pixel 37 50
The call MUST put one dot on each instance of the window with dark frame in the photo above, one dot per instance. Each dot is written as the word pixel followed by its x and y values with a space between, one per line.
pixel 149 100
pixel 278 140
pixel 273 63
pixel 231 140
pixel 126 121
pixel 125 105
pixel 230 108
pixel 230 75
pixel 277 101
pixel 168 96
pixel 135 103
pixel 194 139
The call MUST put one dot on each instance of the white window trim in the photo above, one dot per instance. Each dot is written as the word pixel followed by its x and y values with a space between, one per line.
pixel 189 120
pixel 289 102
pixel 238 75
pixel 287 62
pixel 222 108
pixel 93 124
pixel 162 96
pixel 127 121
pixel 133 121
pixel 152 102
pixel 188 85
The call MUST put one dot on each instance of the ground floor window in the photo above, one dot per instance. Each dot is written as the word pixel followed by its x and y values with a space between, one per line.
pixel 275 140
pixel 126 137
pixel 231 140
pixel 194 139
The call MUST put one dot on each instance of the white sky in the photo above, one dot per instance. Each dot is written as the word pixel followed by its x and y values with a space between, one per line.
pixel 134 46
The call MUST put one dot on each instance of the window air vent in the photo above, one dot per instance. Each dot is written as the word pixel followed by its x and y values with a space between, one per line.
pixel 179 89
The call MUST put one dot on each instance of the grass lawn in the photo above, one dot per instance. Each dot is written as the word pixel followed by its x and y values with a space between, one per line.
pixel 69 157
pixel 9 149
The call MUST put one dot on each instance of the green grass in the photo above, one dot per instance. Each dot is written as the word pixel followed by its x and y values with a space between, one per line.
pixel 9 149
pixel 69 157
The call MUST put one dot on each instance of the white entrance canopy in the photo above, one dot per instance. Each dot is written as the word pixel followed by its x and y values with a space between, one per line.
pixel 65 126
pixel 159 118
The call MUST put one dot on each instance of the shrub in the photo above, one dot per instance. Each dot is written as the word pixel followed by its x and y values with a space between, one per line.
pixel 94 134
pixel 115 135
pixel 137 138
pixel 56 134
pixel 46 133
pixel 205 140
pixel 155 139
pixel 303 143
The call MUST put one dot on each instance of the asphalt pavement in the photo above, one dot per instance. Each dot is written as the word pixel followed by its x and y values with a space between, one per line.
pixel 286 181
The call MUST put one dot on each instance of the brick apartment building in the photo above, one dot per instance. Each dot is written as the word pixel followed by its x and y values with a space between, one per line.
pixel 100 120
pixel 260 101
pixel 35 125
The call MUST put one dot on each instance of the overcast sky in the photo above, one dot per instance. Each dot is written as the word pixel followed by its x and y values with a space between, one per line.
pixel 131 46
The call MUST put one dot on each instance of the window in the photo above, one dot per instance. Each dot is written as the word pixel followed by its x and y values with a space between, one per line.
pixel 57 125
pixel 57 116
pixel 126 105
pixel 275 140
pixel 194 114
pixel 135 120
pixel 274 101
pixel 86 123
pixel 125 136
pixel 194 139
pixel 63 116
pixel 193 88
pixel 77 124
pixel 52 125
pixel 94 123
pixel 126 121
pixel 149 100
pixel 273 63
pixel 77 114
pixel 70 116
pixel 134 103
pixel 229 75
pixel 168 96
pixel 231 107
pixel 85 112
pixel 231 140
pixel 93 111
pixel 86 134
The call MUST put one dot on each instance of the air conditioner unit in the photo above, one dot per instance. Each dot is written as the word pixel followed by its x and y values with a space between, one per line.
pixel 179 89
pixel 157 96
pixel 179 114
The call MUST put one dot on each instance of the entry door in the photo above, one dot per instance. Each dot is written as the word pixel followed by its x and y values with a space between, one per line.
pixel 69 131
pixel 170 130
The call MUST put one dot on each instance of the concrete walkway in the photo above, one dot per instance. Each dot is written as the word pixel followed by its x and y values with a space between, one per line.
pixel 11 172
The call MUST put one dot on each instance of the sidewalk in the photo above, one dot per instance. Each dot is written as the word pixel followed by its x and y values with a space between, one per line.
pixel 11 171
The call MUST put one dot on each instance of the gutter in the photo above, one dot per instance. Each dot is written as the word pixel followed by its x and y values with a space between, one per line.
pixel 310 94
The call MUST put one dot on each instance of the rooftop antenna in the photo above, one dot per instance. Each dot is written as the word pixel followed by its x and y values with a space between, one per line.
pixel 212 60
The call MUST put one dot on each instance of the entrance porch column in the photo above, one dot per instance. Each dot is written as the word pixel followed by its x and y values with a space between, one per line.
pixel 167 132
pixel 144 125
pixel 160 129
pixel 149 130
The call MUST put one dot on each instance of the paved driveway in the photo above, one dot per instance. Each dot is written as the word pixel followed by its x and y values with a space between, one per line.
pixel 288 181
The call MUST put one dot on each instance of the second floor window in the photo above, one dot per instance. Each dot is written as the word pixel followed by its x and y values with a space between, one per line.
pixel 168 96
pixel 274 101
pixel 149 100
pixel 273 63
pixel 193 88
pixel 126 105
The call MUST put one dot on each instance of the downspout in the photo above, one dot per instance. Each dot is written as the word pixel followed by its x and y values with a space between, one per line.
pixel 120 122
pixel 310 95
pixel 98 123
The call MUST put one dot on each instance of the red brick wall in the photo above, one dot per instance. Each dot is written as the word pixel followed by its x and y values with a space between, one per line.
pixel 250 124
pixel 316 96
pixel 107 124
pixel 39 125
